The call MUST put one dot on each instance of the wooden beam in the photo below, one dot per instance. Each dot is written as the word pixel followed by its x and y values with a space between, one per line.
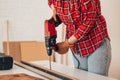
pixel 7 32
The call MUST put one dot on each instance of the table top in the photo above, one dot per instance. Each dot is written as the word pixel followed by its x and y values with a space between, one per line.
pixel 77 73
pixel 71 71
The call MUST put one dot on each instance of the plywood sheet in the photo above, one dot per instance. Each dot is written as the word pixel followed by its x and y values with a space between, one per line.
pixel 14 50
pixel 27 50
pixel 34 51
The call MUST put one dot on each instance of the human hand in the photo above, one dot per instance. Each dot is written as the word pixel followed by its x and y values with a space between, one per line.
pixel 63 47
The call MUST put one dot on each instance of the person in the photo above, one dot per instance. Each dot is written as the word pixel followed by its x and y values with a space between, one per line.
pixel 86 34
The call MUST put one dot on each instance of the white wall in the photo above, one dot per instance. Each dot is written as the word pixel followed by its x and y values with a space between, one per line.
pixel 26 18
pixel 111 11
pixel 26 24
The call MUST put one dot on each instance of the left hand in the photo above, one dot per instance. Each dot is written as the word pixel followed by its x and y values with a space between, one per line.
pixel 63 47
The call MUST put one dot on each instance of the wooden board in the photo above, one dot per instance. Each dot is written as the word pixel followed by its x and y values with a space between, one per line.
pixel 27 50
pixel 20 76
pixel 14 49
pixel 34 51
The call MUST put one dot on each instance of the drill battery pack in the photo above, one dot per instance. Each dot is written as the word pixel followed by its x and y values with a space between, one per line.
pixel 6 62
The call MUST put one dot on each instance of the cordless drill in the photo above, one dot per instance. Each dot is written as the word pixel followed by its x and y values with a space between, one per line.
pixel 51 34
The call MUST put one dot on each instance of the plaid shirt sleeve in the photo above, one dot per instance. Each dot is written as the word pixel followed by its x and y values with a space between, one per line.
pixel 88 11
pixel 50 2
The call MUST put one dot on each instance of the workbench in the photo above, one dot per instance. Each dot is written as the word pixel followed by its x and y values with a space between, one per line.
pixel 79 74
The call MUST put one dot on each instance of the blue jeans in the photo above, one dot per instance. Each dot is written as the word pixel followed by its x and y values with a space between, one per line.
pixel 98 62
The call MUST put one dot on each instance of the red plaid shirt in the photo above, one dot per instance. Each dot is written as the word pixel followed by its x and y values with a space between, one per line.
pixel 83 19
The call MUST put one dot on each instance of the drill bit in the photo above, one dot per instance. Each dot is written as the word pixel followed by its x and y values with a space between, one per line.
pixel 50 62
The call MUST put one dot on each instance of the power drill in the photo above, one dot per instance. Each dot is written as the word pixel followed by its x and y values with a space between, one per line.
pixel 51 35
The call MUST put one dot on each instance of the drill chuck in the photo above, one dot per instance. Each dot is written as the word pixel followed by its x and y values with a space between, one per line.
pixel 50 43
pixel 48 46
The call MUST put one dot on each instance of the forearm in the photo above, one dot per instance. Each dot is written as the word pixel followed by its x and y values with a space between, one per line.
pixel 72 40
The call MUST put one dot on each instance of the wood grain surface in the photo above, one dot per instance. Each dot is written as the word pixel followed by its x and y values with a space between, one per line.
pixel 20 76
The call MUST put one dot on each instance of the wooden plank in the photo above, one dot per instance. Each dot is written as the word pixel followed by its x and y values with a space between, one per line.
pixel 52 72
pixel 51 77
pixel 14 49
pixel 27 50
pixel 20 76
pixel 34 51
pixel 7 30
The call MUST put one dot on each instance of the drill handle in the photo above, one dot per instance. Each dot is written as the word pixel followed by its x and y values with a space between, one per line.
pixel 57 22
